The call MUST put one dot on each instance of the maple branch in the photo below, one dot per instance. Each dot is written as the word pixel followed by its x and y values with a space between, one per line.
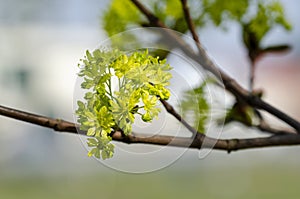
pixel 252 76
pixel 190 23
pixel 200 141
pixel 262 126
pixel 170 109
pixel 230 84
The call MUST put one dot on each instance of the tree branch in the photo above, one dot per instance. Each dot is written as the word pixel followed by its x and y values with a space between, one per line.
pixel 170 109
pixel 230 84
pixel 263 126
pixel 190 23
pixel 55 124
pixel 200 141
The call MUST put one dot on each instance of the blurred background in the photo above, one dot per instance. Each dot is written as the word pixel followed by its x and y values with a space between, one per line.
pixel 41 43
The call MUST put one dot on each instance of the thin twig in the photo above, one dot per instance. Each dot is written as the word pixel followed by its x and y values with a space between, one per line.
pixel 189 20
pixel 200 141
pixel 190 23
pixel 230 84
pixel 173 112
pixel 264 127
pixel 252 76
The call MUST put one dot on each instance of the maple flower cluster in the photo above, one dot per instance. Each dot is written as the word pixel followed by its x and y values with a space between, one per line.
pixel 120 87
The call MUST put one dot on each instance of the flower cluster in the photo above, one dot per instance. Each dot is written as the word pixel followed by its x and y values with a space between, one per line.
pixel 120 87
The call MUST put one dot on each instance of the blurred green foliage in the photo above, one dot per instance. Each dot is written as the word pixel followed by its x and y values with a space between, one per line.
pixel 195 103
pixel 256 19
pixel 266 16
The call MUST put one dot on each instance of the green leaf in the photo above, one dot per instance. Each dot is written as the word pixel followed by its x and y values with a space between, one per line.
pixel 240 113
pixel 196 105
pixel 91 132
pixel 116 20
pixel 86 85
pixel 88 95
pixel 88 55
pixel 92 152
pixel 81 105
pixel 269 15
pixel 173 9
pixel 220 11
pixel 97 153
pixel 90 115
pixel 92 142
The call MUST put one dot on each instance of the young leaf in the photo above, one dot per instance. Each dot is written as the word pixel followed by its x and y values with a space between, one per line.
pixel 195 103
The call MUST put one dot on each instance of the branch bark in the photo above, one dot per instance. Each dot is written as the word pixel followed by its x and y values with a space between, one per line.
pixel 230 84
pixel 200 141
